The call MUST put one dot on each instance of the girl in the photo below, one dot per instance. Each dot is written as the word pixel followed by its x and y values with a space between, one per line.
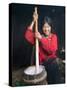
pixel 48 46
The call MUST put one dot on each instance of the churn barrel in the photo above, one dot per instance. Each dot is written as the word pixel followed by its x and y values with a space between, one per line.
pixel 31 77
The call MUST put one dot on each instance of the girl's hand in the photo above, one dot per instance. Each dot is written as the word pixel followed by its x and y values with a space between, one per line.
pixel 38 35
pixel 35 17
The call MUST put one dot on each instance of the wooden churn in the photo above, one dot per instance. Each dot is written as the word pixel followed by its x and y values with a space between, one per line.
pixel 35 75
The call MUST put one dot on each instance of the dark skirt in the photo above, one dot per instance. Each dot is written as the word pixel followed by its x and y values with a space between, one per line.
pixel 53 72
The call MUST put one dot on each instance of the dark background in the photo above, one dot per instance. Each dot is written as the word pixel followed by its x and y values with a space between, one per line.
pixel 20 16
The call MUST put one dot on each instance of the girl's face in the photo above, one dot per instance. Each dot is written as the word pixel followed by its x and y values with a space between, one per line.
pixel 46 29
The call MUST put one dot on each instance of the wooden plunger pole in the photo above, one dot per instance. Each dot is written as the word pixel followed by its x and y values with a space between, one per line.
pixel 36 44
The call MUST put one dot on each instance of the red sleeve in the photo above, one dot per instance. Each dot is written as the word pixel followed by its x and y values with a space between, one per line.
pixel 29 36
pixel 50 45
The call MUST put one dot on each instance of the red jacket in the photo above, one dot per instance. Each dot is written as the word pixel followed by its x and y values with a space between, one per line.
pixel 47 46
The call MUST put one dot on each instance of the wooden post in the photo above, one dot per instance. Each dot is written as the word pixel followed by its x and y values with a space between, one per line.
pixel 36 44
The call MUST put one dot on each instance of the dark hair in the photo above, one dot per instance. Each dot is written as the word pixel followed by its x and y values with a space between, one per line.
pixel 49 21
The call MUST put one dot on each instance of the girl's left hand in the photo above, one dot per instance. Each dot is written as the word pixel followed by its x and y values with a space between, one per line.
pixel 38 35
